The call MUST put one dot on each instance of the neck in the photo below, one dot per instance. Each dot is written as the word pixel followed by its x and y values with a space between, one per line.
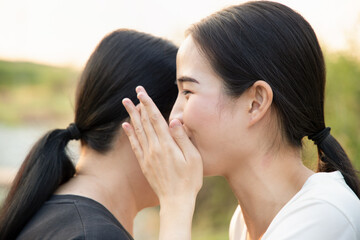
pixel 113 179
pixel 265 185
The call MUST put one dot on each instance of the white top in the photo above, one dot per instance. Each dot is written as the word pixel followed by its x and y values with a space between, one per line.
pixel 324 208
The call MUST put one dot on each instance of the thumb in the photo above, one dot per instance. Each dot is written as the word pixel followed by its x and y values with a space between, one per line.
pixel 181 138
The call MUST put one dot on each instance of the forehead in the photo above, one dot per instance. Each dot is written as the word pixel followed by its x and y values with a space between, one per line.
pixel 188 49
pixel 191 62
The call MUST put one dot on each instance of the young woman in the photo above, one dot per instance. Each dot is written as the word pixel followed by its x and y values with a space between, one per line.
pixel 49 198
pixel 251 82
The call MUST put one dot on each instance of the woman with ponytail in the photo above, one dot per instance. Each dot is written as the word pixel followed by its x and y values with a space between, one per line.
pixel 251 82
pixel 99 198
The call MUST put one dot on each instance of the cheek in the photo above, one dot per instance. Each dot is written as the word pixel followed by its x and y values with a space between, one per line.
pixel 214 132
pixel 200 113
pixel 204 126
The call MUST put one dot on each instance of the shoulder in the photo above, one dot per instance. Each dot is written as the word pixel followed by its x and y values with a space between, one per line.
pixel 315 219
pixel 73 217
pixel 109 232
pixel 329 192
pixel 98 222
pixel 325 208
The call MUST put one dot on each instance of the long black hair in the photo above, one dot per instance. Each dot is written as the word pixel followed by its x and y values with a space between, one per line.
pixel 269 41
pixel 123 60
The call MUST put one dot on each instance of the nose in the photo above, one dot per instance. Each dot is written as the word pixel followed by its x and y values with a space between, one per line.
pixel 177 111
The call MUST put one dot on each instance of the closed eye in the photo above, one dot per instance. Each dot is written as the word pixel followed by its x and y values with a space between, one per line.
pixel 186 92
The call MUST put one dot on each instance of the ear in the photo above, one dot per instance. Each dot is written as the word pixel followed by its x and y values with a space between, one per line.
pixel 260 97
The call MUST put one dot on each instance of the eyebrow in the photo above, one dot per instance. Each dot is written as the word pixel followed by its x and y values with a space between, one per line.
pixel 187 79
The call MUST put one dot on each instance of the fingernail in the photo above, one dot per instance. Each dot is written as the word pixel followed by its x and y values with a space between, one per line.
pixel 125 126
pixel 141 96
pixel 175 123
pixel 125 102
pixel 139 89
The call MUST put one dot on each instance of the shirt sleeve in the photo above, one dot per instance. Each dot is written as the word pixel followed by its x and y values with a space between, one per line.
pixel 312 220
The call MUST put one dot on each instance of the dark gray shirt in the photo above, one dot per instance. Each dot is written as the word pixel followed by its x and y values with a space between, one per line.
pixel 73 217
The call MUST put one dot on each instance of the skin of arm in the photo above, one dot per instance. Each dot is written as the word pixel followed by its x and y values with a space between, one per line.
pixel 169 161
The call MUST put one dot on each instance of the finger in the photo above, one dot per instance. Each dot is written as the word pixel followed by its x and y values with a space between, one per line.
pixel 135 145
pixel 148 127
pixel 157 120
pixel 181 138
pixel 138 107
pixel 136 122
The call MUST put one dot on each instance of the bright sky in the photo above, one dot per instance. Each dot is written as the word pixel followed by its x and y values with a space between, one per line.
pixel 65 32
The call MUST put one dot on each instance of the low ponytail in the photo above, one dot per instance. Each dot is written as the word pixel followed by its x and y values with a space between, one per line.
pixel 272 42
pixel 332 157
pixel 123 60
pixel 45 168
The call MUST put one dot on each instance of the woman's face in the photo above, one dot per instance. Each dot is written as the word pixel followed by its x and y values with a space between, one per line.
pixel 213 121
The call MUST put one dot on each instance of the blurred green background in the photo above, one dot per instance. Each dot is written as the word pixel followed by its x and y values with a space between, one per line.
pixel 42 97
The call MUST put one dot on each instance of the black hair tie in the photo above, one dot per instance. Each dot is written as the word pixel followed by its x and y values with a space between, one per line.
pixel 73 131
pixel 320 136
